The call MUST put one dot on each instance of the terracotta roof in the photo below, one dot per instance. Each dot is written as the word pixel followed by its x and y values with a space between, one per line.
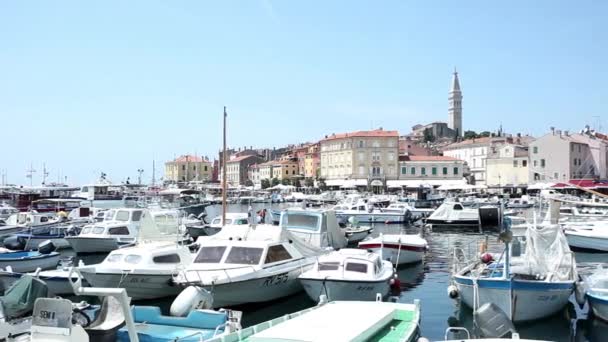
pixel 427 158
pixel 189 158
pixel 239 159
pixel 363 134
pixel 484 140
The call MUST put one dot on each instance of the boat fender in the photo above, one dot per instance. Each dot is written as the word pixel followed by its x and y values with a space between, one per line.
pixel 192 297
pixel 395 284
pixel 290 241
pixel 452 292
pixel 487 258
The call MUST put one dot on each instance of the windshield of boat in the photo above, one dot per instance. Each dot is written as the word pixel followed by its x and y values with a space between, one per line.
pixel 122 215
pixel 244 255
pixel 86 230
pixel 328 266
pixel 98 230
pixel 211 254
pixel 300 221
pixel 133 259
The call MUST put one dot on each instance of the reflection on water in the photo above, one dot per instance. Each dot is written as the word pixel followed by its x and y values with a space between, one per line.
pixel 428 281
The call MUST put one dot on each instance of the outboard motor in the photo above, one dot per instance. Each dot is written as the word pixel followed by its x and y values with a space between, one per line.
pixel 492 322
pixel 46 247
pixel 191 298
pixel 15 243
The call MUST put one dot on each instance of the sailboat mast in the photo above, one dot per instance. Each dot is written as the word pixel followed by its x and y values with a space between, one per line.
pixel 224 172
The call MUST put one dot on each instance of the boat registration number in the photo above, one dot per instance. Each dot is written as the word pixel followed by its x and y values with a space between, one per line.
pixel 276 279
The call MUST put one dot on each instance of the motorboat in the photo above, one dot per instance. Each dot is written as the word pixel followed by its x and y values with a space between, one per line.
pixel 33 219
pixel 119 227
pixel 55 205
pixel 590 236
pixel 17 305
pixel 416 213
pixel 31 239
pixel 348 274
pixel 533 278
pixel 231 219
pixel 356 233
pixel 316 227
pixel 6 211
pixel 366 212
pixel 55 279
pixel 246 264
pixel 144 270
pixel 519 203
pixel 338 321
pixel 454 213
pixel 597 293
pixel 21 261
pixel 399 249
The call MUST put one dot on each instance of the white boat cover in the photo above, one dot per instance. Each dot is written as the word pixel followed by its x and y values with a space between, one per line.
pixel 547 253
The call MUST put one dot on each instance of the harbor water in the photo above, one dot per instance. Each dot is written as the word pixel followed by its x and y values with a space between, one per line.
pixel 428 282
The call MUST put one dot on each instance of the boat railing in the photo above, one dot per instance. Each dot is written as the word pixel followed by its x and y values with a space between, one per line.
pixel 199 280
pixel 465 255
pixel 454 330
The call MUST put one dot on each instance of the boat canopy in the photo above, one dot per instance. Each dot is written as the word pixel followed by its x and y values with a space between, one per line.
pixel 547 254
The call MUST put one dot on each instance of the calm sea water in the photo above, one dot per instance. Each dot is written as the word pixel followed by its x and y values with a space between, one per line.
pixel 428 282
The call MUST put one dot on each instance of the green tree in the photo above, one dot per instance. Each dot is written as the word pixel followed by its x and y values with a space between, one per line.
pixel 469 135
pixel 484 134
pixel 275 181
pixel 286 181
pixel 265 183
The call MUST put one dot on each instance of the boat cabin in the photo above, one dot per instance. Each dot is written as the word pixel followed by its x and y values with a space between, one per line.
pixel 148 256
pixel 317 227
pixel 350 263
pixel 28 219
pixel 94 192
pixel 232 219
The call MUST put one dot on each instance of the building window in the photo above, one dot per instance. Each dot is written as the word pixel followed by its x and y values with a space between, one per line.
pixel 423 170
pixel 524 163
pixel 445 171
pixel 403 170
pixel 542 163
pixel 515 163
pixel 361 144
pixel 205 168
pixel 572 147
pixel 535 149
pixel 535 165
pixel 434 171
pixel 183 167
pixel 455 170
pixel 579 148
pixel 555 176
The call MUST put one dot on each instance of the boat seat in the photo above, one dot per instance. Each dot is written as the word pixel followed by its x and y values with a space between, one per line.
pixel 197 319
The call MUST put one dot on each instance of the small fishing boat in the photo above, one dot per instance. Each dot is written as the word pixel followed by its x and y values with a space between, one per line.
pixel 454 213
pixel 355 233
pixel 590 236
pixel 366 212
pixel 231 219
pixel 416 213
pixel 338 321
pixel 56 279
pixel 348 274
pixel 144 270
pixel 399 249
pixel 533 278
pixel 31 239
pixel 120 227
pixel 597 293
pixel 28 261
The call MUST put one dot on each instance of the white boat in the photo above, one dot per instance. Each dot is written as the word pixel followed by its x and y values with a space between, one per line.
pixel 416 213
pixel 533 280
pixel 365 212
pixel 6 211
pixel 597 293
pixel 316 227
pixel 454 213
pixel 231 219
pixel 591 236
pixel 399 249
pixel 28 261
pixel 122 227
pixel 144 270
pixel 245 264
pixel 33 220
pixel 338 321
pixel 355 234
pixel 520 203
pixel 348 274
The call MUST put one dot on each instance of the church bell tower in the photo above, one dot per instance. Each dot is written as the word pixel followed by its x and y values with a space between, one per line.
pixel 455 105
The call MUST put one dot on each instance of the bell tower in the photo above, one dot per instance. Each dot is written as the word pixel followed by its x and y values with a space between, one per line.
pixel 455 105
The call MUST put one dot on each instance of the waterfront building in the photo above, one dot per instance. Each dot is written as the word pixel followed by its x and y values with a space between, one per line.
pixel 237 169
pixel 312 161
pixel 507 166
pixel 363 158
pixel 266 170
pixel 429 171
pixel 560 156
pixel 285 169
pixel 409 147
pixel 188 168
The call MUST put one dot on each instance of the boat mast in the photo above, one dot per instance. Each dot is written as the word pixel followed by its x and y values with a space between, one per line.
pixel 224 172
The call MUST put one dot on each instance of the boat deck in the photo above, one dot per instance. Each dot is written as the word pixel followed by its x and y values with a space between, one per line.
pixel 340 321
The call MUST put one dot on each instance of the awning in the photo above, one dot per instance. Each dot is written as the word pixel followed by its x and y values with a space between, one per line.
pixel 376 182
pixel 540 186
pixel 427 183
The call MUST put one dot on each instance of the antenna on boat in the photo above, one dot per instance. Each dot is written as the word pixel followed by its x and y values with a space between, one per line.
pixel 224 172
pixel 45 173
pixel 30 174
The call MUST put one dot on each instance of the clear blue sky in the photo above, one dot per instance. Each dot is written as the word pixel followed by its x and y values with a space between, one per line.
pixel 111 85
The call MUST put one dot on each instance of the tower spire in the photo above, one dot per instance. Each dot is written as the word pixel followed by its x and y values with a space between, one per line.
pixel 455 105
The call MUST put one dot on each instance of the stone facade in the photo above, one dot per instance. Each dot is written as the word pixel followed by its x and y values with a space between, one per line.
pixel 507 166
pixel 188 168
